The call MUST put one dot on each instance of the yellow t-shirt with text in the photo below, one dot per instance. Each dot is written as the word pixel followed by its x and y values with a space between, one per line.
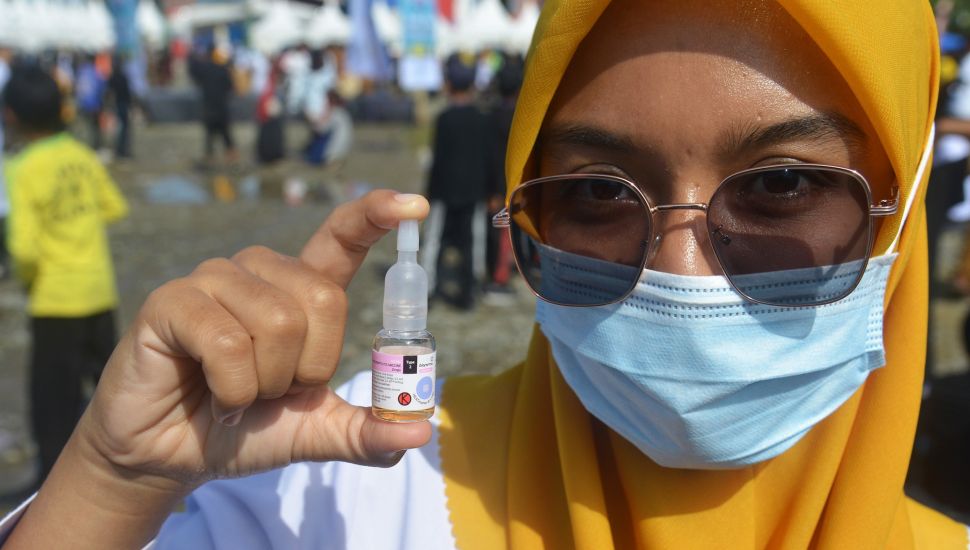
pixel 61 198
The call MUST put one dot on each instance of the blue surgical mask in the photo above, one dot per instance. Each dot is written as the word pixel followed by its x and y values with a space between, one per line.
pixel 697 377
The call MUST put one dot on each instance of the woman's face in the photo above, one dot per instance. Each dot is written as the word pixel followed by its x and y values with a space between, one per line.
pixel 676 95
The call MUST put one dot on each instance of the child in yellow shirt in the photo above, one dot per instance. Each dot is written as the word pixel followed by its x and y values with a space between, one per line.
pixel 61 198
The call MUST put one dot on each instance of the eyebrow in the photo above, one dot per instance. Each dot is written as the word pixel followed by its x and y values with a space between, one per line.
pixel 589 136
pixel 821 126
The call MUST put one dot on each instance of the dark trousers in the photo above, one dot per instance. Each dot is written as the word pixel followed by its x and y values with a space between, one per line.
pixel 66 351
pixel 4 254
pixel 215 128
pixel 93 119
pixel 460 227
pixel 123 139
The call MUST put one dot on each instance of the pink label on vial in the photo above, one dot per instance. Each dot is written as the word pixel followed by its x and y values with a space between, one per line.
pixel 402 364
pixel 403 382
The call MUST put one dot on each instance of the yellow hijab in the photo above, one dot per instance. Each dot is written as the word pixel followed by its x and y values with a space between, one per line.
pixel 527 467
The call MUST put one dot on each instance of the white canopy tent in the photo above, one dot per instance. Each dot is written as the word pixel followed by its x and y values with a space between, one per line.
pixel 520 35
pixel 328 26
pixel 487 26
pixel 36 25
pixel 279 28
pixel 151 24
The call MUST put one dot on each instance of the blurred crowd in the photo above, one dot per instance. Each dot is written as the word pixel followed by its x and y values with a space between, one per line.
pixel 942 448
pixel 70 115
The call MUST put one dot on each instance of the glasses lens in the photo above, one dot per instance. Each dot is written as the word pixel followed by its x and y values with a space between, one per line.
pixel 579 240
pixel 792 236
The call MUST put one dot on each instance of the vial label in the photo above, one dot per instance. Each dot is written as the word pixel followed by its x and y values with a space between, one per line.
pixel 403 382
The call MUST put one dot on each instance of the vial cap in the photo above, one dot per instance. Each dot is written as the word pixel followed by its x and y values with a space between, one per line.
pixel 407 236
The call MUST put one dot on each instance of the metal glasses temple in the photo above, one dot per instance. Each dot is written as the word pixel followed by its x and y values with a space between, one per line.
pixel 502 219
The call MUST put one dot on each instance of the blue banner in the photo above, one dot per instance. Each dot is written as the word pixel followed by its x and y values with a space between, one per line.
pixel 125 25
pixel 366 56
pixel 418 23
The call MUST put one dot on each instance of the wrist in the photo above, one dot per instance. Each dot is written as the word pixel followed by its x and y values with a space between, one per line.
pixel 88 501
pixel 89 460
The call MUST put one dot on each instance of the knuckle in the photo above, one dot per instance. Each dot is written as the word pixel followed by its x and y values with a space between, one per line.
pixel 233 345
pixel 255 254
pixel 286 321
pixel 214 265
pixel 165 294
pixel 322 296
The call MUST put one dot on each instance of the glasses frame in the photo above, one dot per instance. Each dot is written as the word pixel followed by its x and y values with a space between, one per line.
pixel 884 208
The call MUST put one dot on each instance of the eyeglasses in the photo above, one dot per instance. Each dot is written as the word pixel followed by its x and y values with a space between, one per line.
pixel 787 235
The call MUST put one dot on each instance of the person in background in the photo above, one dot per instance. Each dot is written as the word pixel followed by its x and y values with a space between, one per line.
pixel 489 62
pixel 61 199
pixel 507 80
pixel 321 79
pixel 256 68
pixel 120 87
pixel 5 57
pixel 270 135
pixel 213 77
pixel 458 187
pixel 164 72
pixel 90 90
pixel 296 65
pixel 61 64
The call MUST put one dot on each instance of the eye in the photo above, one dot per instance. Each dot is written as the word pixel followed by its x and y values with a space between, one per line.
pixel 784 191
pixel 782 183
pixel 598 189
pixel 594 200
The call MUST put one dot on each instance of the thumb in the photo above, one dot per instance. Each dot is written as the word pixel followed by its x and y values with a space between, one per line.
pixel 340 431
pixel 384 442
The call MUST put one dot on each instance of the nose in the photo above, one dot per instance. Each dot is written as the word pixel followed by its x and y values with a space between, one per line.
pixel 681 243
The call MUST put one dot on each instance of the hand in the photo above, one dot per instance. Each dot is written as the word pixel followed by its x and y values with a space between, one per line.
pixel 224 372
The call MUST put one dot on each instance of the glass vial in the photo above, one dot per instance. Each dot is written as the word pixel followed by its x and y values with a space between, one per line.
pixel 403 364
pixel 403 356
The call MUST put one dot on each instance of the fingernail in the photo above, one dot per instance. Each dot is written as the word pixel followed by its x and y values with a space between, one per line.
pixel 232 419
pixel 406 197
pixel 393 458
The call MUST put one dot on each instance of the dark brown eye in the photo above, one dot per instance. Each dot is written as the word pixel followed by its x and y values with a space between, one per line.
pixel 594 189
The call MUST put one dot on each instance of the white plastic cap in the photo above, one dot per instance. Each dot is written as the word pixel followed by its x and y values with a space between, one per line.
pixel 407 236
pixel 406 284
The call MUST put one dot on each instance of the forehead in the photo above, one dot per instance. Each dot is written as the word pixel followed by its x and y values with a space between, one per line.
pixel 665 72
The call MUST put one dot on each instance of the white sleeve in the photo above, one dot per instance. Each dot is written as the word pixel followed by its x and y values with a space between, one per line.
pixel 10 520
pixel 322 505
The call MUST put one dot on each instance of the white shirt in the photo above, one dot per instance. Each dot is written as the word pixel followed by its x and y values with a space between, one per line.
pixel 331 505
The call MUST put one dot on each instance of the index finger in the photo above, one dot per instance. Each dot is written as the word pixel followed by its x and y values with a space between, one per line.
pixel 339 246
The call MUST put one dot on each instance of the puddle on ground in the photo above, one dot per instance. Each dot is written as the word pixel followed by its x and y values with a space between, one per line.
pixel 176 190
pixel 292 189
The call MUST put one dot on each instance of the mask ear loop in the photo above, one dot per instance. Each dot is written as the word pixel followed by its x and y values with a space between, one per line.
pixel 914 191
